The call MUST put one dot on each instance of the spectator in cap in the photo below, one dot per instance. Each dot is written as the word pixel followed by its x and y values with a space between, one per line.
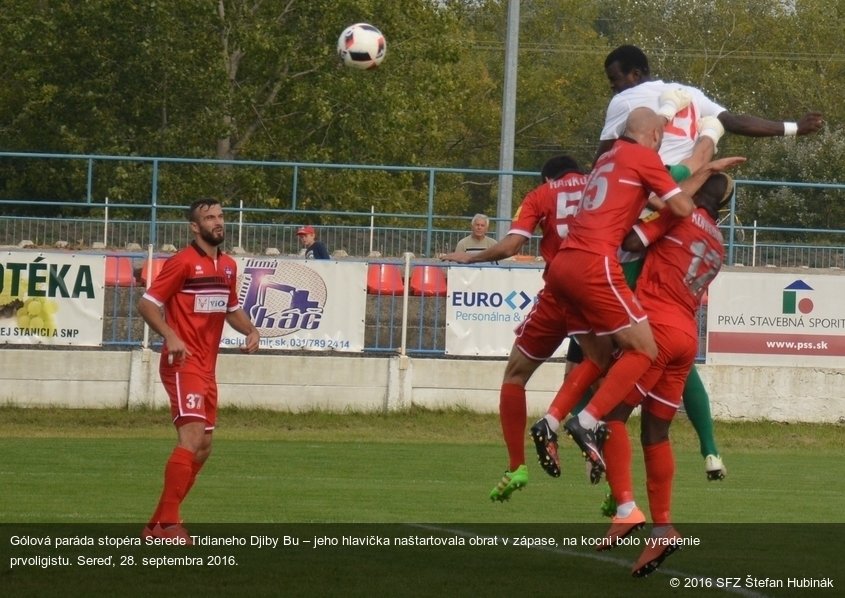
pixel 314 250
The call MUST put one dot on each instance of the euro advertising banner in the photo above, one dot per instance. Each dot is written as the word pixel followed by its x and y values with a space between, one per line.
pixel 297 305
pixel 51 298
pixel 485 305
pixel 776 319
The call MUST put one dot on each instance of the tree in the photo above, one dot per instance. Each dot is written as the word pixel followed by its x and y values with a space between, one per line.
pixel 249 80
pixel 259 80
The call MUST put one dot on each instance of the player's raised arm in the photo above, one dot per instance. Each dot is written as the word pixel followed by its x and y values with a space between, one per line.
pixel 755 126
pixel 682 204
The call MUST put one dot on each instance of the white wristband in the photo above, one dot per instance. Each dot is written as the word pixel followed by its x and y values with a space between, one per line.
pixel 790 129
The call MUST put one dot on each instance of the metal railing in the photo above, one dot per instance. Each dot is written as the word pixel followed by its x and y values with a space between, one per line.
pixel 257 227
pixel 394 323
pixel 84 217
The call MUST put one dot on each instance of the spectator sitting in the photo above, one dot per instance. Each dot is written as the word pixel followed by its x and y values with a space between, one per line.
pixel 314 250
pixel 478 240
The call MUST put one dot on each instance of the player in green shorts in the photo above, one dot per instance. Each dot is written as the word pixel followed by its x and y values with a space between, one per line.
pixel 628 72
pixel 696 400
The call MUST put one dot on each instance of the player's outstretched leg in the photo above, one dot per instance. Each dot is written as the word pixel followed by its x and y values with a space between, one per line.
pixel 628 518
pixel 697 407
pixel 513 418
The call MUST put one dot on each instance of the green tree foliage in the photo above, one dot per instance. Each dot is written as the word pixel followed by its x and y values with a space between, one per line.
pixel 768 58
pixel 234 80
pixel 243 80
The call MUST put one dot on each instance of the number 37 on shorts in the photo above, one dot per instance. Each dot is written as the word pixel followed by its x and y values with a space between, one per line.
pixel 191 396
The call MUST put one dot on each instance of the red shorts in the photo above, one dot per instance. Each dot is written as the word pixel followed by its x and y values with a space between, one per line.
pixel 593 291
pixel 193 397
pixel 663 384
pixel 543 329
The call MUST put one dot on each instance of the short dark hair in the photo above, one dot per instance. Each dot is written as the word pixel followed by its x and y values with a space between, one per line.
pixel 206 202
pixel 714 194
pixel 629 58
pixel 556 167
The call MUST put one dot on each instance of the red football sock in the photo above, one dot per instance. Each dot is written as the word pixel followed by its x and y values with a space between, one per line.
pixel 513 416
pixel 617 456
pixel 660 470
pixel 620 380
pixel 195 469
pixel 579 380
pixel 177 477
pixel 156 515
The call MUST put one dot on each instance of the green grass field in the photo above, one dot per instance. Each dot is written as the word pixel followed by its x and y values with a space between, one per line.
pixel 418 472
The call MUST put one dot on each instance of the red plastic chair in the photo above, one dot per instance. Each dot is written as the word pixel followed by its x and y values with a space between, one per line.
pixel 158 262
pixel 384 279
pixel 428 281
pixel 119 271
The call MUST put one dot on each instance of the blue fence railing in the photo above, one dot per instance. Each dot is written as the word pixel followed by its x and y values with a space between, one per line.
pixel 394 323
pixel 82 215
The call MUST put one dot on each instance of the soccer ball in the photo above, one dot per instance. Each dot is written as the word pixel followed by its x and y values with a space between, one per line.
pixel 361 46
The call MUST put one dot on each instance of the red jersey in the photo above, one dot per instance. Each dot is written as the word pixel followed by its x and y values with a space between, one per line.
pixel 686 255
pixel 551 206
pixel 196 292
pixel 616 192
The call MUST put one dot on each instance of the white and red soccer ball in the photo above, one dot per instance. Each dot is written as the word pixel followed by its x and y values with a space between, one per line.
pixel 361 46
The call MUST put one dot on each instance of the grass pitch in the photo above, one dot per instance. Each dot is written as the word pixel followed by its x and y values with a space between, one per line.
pixel 412 474
pixel 64 466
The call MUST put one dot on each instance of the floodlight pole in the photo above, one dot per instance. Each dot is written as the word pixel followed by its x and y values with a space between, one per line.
pixel 503 208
